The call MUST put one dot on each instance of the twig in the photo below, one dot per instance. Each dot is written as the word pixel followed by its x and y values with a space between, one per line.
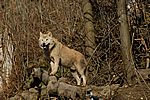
pixel 147 53
pixel 139 74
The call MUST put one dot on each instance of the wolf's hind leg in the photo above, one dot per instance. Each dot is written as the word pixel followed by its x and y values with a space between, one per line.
pixel 82 73
pixel 76 76
pixel 84 79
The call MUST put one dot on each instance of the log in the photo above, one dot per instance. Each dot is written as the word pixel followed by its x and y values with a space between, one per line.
pixel 65 90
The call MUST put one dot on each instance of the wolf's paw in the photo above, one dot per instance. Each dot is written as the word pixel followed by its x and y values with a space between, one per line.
pixel 51 74
pixel 84 85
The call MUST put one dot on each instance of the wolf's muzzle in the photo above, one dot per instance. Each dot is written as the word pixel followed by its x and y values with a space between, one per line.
pixel 45 46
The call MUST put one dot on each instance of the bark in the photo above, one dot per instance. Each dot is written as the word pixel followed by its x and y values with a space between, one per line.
pixel 89 28
pixel 125 41
pixel 6 51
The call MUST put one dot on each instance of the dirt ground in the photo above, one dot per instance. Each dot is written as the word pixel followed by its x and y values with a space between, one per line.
pixel 136 92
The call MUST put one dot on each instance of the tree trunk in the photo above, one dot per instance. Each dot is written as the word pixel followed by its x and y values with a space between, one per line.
pixel 5 57
pixel 89 28
pixel 125 41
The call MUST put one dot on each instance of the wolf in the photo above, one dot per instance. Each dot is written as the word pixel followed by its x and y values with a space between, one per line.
pixel 62 55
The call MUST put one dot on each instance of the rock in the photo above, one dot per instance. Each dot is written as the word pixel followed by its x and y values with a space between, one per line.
pixel 52 78
pixel 41 74
pixel 43 91
pixel 52 85
pixel 66 91
pixel 25 95
pixel 62 79
pixel 16 97
pixel 33 96
pixel 33 90
pixel 107 90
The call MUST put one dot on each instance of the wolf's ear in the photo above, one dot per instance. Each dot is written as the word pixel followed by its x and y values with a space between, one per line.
pixel 41 33
pixel 49 33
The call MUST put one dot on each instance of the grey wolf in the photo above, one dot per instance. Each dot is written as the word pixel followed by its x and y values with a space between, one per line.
pixel 63 56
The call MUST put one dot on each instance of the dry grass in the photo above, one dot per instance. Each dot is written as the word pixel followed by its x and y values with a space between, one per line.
pixel 24 20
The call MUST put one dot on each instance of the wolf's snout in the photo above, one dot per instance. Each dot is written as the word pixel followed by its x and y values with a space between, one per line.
pixel 44 45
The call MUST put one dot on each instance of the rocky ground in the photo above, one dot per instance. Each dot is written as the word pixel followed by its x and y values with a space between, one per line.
pixel 51 88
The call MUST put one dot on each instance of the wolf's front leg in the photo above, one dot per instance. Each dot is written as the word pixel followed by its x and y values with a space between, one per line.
pixel 54 66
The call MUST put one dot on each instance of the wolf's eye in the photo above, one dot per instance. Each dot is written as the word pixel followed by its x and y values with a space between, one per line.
pixel 46 39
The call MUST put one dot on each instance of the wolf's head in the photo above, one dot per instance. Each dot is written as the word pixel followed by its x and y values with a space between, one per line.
pixel 46 40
